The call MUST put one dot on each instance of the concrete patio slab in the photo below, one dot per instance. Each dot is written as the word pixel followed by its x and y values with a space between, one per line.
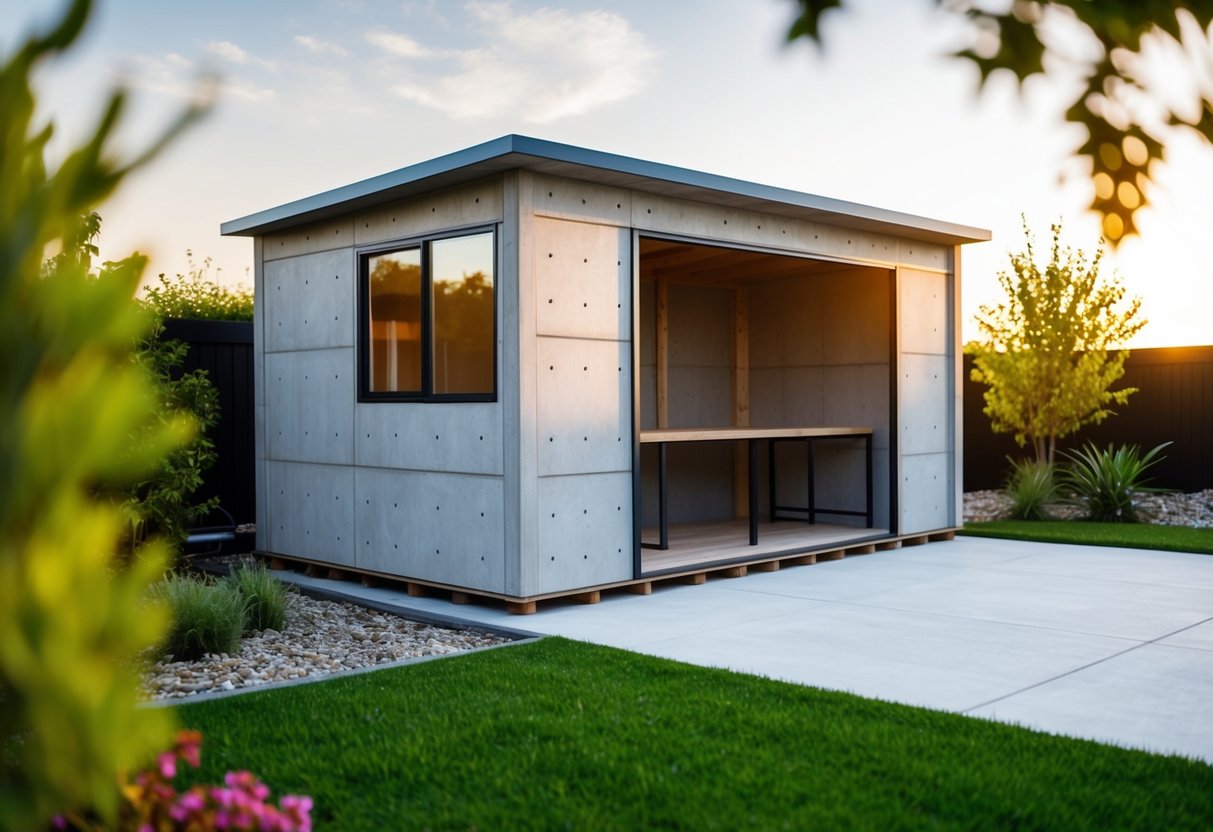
pixel 1114 645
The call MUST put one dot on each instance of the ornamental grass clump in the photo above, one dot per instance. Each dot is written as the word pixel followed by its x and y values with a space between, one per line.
pixel 1031 487
pixel 207 617
pixel 265 598
pixel 1103 482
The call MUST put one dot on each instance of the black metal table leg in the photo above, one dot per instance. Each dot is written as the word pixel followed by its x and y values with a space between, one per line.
pixel 810 464
pixel 663 520
pixel 753 492
pixel 868 451
pixel 771 476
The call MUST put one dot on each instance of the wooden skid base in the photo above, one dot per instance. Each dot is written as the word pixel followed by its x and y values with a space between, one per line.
pixel 643 586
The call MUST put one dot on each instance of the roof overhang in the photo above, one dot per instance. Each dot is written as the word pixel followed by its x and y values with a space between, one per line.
pixel 515 152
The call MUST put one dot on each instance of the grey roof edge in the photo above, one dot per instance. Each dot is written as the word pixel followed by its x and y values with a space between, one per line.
pixel 475 160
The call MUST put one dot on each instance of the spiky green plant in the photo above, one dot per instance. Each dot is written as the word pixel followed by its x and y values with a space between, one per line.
pixel 1031 487
pixel 265 597
pixel 207 617
pixel 1104 481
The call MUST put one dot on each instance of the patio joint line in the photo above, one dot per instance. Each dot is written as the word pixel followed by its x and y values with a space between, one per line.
pixel 1087 666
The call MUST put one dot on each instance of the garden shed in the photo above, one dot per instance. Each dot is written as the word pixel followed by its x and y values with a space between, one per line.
pixel 526 369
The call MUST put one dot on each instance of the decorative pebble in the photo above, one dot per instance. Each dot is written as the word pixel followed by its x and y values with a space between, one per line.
pixel 320 637
pixel 1174 509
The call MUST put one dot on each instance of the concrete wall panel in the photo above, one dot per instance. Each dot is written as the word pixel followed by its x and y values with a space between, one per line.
pixel 310 406
pixel 308 239
pixel 583 280
pixel 699 480
pixel 854 317
pixel 710 222
pixel 924 255
pixel 926 492
pixel 584 406
pixel 473 204
pixel 309 301
pixel 446 528
pixel 858 396
pixel 571 199
pixel 585 531
pixel 424 436
pixel 925 312
pixel 311 511
pixel 924 404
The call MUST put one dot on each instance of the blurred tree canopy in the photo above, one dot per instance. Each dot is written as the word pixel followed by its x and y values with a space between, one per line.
pixel 1126 122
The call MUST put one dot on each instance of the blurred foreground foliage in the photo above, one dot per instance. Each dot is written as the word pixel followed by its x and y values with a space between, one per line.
pixel 72 627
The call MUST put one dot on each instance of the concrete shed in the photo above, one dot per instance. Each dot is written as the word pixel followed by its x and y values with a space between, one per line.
pixel 526 369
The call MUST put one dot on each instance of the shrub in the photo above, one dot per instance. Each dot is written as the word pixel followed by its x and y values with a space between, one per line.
pixel 207 617
pixel 196 295
pixel 1104 482
pixel 265 598
pixel 1031 488
pixel 163 503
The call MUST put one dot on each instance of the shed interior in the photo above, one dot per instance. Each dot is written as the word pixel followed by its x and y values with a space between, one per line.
pixel 733 337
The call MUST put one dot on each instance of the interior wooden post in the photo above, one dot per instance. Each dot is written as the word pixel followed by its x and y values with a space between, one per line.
pixel 662 314
pixel 741 398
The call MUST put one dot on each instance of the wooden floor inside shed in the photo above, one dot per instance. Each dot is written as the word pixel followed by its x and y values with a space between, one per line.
pixel 696 544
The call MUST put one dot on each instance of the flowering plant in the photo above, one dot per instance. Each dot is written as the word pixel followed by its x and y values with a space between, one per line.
pixel 152 804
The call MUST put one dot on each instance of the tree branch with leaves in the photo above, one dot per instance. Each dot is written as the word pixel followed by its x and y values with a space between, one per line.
pixel 1127 123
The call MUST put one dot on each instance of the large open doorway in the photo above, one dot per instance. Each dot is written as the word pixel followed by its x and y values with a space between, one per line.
pixel 759 373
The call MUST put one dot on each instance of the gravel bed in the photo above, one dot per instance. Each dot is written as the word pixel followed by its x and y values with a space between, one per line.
pixel 320 637
pixel 1194 509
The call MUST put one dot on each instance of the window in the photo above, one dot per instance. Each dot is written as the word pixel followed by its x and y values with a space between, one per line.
pixel 428 318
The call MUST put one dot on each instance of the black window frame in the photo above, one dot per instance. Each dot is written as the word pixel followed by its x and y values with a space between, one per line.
pixel 427 394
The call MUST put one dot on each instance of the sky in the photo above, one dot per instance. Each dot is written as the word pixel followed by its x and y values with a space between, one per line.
pixel 315 94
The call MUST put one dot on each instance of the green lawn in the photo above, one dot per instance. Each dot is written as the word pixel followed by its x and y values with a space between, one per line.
pixel 564 735
pixel 1129 535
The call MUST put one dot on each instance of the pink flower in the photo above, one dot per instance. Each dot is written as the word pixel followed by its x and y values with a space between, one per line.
pixel 167 763
pixel 188 804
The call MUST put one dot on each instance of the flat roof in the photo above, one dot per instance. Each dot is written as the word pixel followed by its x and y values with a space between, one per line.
pixel 523 152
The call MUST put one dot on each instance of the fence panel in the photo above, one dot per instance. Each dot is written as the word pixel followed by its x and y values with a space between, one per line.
pixel 1174 403
pixel 225 350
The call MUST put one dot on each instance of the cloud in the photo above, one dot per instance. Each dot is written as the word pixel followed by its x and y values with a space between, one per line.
pixel 402 45
pixel 320 46
pixel 228 51
pixel 232 53
pixel 540 66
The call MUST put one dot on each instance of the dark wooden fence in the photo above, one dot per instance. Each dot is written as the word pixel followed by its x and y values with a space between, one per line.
pixel 225 350
pixel 1174 404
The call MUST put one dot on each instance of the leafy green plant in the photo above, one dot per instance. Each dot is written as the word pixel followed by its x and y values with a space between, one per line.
pixel 1031 487
pixel 1104 481
pixel 163 503
pixel 265 598
pixel 207 617
pixel 71 626
pixel 197 295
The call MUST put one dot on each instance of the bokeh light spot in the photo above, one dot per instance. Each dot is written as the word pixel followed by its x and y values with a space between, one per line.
pixel 1135 151
pixel 1104 186
pixel 1128 195
pixel 1109 154
pixel 1113 227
